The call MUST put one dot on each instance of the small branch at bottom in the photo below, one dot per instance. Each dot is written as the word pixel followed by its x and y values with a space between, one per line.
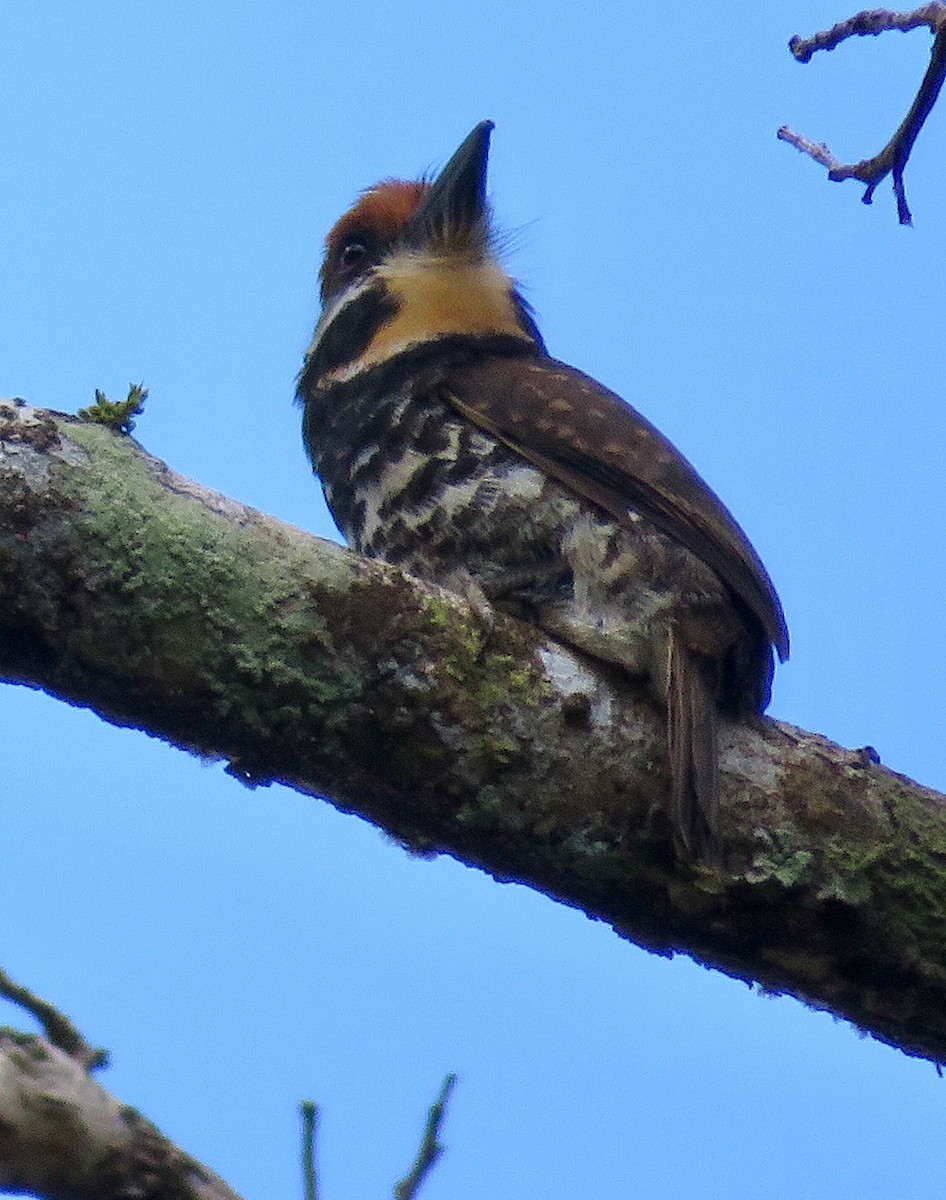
pixel 57 1027
pixel 310 1177
pixel 430 1148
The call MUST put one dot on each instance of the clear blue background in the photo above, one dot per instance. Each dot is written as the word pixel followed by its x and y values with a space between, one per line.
pixel 168 172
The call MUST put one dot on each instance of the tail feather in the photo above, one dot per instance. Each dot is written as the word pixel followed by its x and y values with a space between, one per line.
pixel 692 736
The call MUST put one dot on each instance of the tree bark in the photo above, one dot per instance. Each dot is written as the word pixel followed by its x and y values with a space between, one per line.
pixel 130 590
pixel 63 1137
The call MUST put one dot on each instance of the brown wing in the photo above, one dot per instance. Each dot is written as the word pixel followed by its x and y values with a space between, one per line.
pixel 587 437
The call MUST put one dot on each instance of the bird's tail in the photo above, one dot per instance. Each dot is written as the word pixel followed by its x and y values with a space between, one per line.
pixel 692 736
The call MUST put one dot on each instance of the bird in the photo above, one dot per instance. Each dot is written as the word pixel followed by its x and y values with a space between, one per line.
pixel 449 442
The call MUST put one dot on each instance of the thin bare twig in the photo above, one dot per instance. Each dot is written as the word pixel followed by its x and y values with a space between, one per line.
pixel 59 1030
pixel 430 1148
pixel 867 24
pixel 310 1177
pixel 893 158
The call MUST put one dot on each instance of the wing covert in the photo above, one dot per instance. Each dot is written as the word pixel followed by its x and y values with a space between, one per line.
pixel 587 437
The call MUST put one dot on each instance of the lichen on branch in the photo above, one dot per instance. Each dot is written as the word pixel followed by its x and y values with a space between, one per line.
pixel 117 414
pixel 130 590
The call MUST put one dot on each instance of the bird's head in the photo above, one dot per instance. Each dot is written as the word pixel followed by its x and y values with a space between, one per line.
pixel 412 263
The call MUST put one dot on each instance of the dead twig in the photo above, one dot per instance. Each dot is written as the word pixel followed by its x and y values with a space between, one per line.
pixel 430 1148
pixel 310 1178
pixel 57 1027
pixel 893 158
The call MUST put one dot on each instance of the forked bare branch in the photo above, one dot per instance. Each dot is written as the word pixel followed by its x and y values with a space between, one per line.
pixel 892 160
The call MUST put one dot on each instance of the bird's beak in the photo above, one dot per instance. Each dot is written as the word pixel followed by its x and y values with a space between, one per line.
pixel 456 202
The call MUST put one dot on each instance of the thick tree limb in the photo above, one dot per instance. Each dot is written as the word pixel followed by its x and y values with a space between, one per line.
pixel 127 589
pixel 892 160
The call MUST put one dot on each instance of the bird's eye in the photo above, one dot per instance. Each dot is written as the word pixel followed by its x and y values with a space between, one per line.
pixel 352 255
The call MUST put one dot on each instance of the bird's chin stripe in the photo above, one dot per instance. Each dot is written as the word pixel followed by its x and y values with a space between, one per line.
pixel 368 360
pixel 347 296
pixel 345 332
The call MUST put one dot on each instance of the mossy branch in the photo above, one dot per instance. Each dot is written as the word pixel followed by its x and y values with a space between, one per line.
pixel 158 604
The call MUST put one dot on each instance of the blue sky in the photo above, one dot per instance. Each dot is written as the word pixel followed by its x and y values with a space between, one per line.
pixel 168 173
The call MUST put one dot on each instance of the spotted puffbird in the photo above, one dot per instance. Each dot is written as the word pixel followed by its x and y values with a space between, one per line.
pixel 449 441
